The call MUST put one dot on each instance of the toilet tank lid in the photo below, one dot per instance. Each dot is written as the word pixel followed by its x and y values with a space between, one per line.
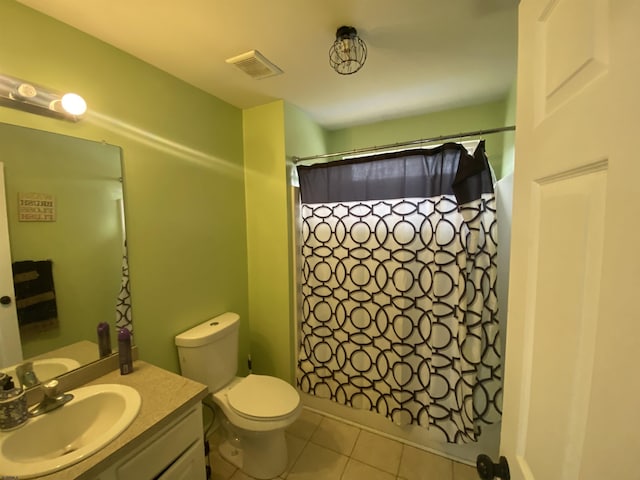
pixel 207 331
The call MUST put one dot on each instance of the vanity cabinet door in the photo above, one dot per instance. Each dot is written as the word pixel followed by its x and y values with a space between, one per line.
pixel 157 457
pixel 189 466
pixel 174 453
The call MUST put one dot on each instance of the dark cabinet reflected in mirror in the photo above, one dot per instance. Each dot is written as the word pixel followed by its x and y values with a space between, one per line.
pixel 65 212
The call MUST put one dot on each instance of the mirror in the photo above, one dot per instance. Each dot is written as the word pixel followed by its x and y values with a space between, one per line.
pixel 65 212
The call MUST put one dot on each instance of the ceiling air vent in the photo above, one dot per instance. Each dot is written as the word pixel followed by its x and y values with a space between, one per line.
pixel 254 64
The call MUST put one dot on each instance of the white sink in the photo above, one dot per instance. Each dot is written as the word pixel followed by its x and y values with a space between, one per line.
pixel 55 440
pixel 47 368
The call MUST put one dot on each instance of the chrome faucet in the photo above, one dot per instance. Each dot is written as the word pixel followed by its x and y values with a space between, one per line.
pixel 26 375
pixel 53 399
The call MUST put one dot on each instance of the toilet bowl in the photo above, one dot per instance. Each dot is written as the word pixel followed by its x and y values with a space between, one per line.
pixel 254 410
pixel 259 403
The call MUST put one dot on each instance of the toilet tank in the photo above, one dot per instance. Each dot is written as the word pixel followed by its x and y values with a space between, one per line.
pixel 208 352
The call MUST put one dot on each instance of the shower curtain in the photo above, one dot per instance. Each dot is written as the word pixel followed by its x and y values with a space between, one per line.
pixel 399 307
pixel 123 302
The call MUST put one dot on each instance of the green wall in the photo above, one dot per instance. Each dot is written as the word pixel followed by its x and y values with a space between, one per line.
pixel 509 137
pixel 302 135
pixel 183 169
pixel 273 134
pixel 268 239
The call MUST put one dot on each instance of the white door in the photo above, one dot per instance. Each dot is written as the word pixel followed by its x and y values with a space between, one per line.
pixel 572 381
pixel 10 348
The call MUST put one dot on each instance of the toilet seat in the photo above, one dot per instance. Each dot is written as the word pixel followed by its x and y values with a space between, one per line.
pixel 261 397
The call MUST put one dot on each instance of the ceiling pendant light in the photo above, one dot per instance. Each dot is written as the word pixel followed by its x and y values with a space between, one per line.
pixel 348 53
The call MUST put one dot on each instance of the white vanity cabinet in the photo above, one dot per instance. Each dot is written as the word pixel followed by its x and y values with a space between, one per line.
pixel 176 452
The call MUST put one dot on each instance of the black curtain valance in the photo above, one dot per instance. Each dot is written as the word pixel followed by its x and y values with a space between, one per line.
pixel 423 173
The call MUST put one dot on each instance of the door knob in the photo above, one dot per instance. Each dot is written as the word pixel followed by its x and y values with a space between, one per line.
pixel 489 470
pixel 5 300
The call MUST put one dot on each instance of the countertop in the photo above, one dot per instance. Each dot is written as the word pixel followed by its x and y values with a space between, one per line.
pixel 165 395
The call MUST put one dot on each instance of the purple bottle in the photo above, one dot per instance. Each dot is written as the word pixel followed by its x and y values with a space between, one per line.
pixel 104 339
pixel 124 351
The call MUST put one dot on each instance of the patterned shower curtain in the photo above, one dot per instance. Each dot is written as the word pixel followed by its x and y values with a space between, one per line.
pixel 123 302
pixel 398 285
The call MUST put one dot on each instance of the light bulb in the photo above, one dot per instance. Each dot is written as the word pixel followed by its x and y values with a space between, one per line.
pixel 74 104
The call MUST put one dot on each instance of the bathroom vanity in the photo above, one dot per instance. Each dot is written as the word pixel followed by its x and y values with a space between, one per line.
pixel 165 440
pixel 175 452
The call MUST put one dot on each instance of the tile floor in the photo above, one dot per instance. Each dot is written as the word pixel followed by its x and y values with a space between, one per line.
pixel 321 448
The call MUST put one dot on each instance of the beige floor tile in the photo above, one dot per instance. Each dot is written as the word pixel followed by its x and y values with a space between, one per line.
pixel 240 475
pixel 318 463
pixel 338 436
pixel 464 472
pixel 295 446
pixel 416 464
pixel 356 470
pixel 378 451
pixel 220 468
pixel 305 425
pixel 217 436
pixel 319 448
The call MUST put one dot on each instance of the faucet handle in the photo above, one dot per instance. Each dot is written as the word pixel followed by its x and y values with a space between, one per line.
pixel 51 389
pixel 26 375
pixel 23 368
pixel 53 399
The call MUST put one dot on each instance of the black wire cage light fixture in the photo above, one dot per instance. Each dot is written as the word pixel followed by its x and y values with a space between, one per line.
pixel 348 53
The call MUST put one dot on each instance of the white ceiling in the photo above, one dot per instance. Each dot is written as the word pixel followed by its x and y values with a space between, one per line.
pixel 423 55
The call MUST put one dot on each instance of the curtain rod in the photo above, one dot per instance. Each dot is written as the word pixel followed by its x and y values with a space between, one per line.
pixel 406 144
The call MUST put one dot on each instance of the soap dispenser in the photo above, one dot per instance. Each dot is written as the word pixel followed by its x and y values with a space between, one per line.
pixel 13 404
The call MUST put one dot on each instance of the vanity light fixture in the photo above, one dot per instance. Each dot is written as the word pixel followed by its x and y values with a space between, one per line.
pixel 348 53
pixel 33 98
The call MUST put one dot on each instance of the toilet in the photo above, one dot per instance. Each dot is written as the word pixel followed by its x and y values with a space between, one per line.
pixel 255 410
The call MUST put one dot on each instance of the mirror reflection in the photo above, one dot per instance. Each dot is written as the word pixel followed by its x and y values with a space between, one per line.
pixel 65 217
